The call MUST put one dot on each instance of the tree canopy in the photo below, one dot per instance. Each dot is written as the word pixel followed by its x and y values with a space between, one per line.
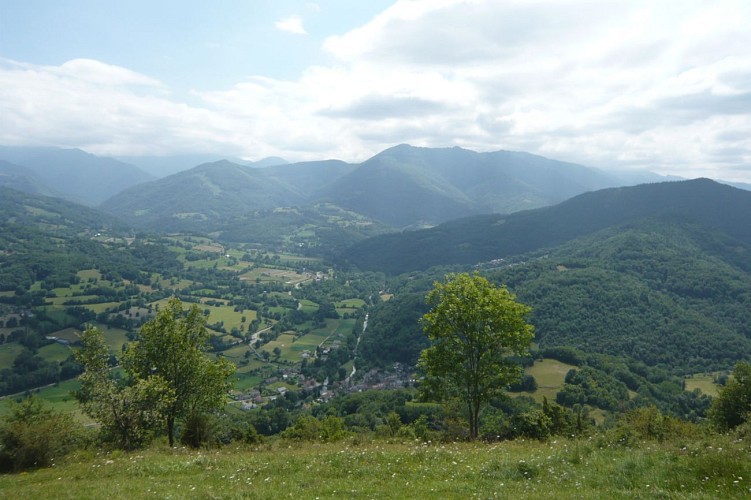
pixel 171 346
pixel 474 327
pixel 127 413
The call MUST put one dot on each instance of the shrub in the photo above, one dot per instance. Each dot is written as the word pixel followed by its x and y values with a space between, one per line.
pixel 648 424
pixel 33 436
pixel 309 428
pixel 732 407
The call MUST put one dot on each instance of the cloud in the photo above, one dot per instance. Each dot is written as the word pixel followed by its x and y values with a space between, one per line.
pixel 291 24
pixel 379 107
pixel 660 85
pixel 100 108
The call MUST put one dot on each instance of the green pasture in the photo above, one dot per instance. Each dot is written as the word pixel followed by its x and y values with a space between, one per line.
pixel 270 274
pixel 230 317
pixel 549 374
pixel 101 307
pixel 245 381
pixel 311 340
pixel 55 352
pixel 308 306
pixel 351 303
pixel 86 274
pixel 114 338
pixel 288 258
pixel 59 397
pixel 236 352
pixel 704 382
pixel 253 364
pixel 284 342
pixel 8 353
pixel 359 467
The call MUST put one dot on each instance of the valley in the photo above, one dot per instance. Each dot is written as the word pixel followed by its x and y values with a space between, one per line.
pixel 639 295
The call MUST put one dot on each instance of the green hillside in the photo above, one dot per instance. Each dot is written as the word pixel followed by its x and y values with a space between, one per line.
pixel 702 202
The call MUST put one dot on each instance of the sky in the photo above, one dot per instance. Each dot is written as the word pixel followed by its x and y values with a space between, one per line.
pixel 663 86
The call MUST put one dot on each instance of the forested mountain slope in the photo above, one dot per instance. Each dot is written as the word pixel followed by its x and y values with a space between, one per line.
pixel 660 274
pixel 701 202
pixel 406 185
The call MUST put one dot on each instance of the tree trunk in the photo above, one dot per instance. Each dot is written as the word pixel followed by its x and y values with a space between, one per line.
pixel 171 430
pixel 472 422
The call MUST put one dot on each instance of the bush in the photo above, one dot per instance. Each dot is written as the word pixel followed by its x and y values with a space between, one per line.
pixel 33 436
pixel 309 428
pixel 648 424
pixel 732 407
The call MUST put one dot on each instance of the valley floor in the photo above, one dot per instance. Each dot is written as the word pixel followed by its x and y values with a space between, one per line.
pixel 586 468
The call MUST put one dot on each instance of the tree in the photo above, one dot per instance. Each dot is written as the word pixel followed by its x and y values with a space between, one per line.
pixel 473 328
pixel 172 346
pixel 127 413
pixel 732 407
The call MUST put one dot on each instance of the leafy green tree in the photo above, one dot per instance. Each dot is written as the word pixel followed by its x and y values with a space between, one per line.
pixel 473 328
pixel 732 407
pixel 127 413
pixel 171 346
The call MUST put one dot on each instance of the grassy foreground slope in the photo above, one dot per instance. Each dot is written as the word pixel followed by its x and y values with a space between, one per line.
pixel 556 469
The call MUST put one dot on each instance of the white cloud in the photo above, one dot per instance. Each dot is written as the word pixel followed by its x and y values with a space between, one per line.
pixel 291 24
pixel 97 72
pixel 661 85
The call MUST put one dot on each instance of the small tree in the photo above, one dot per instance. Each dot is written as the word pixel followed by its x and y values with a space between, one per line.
pixel 127 413
pixel 732 407
pixel 171 346
pixel 473 327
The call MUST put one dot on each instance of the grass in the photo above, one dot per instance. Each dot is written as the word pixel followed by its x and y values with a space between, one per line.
pixel 704 382
pixel 55 352
pixel 8 354
pixel 228 315
pixel 357 469
pixel 549 374
pixel 308 306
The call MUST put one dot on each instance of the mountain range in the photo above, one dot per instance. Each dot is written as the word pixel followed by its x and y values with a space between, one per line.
pixel 71 173
pixel 403 187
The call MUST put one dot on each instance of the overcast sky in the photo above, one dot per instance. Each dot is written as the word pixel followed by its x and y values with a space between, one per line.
pixel 662 85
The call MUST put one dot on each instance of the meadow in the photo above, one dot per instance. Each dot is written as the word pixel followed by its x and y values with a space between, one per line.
pixel 362 468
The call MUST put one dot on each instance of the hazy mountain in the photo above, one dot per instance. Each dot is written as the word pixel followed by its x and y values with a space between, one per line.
pixel 22 179
pixel 405 185
pixel 163 166
pixel 487 237
pixel 206 197
pixel 740 185
pixel 77 175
